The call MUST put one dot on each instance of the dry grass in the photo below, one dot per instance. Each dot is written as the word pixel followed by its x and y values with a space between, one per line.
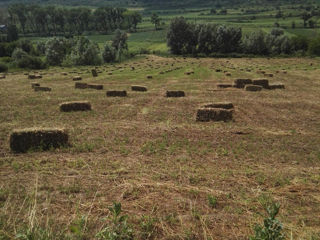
pixel 148 152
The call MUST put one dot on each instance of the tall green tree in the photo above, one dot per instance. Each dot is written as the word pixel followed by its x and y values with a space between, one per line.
pixel 155 19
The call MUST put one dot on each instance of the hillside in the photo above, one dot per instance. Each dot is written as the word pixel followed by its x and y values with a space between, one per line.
pixel 159 4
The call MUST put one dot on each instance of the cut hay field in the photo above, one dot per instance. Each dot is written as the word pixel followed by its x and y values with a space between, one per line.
pixel 175 178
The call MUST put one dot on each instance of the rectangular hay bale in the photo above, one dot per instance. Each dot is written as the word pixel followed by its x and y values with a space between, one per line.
pixel 261 82
pixel 75 106
pixel 24 140
pixel 95 86
pixel 81 85
pixel 175 94
pixel 241 82
pixel 224 105
pixel 214 114
pixel 114 93
pixel 42 89
pixel 139 88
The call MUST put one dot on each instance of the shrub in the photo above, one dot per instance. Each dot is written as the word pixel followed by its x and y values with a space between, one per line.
pixel 18 54
pixel 31 62
pixel 299 43
pixel 181 37
pixel 85 52
pixel 314 47
pixel 55 51
pixel 26 46
pixel 254 43
pixel 272 227
pixel 41 48
pixel 3 67
pixel 109 53
pixel 6 49
pixel 119 229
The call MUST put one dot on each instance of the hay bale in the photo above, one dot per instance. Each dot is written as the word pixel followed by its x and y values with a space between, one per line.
pixel 95 86
pixel 253 88
pixel 32 76
pixel 35 84
pixel 276 86
pixel 224 85
pixel 77 78
pixel 223 105
pixel 24 140
pixel 42 89
pixel 110 73
pixel 2 76
pixel 228 74
pixel 241 82
pixel 189 73
pixel 81 85
pixel 139 88
pixel 75 106
pixel 268 75
pixel 116 93
pixel 261 82
pixel 94 72
pixel 175 94
pixel 214 114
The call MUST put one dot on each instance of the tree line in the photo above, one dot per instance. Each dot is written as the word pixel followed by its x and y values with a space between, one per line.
pixel 185 38
pixel 60 21
pixel 61 51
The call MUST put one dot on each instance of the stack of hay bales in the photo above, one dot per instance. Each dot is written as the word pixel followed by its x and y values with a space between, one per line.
pixel 261 82
pixel 24 140
pixel 242 82
pixel 215 112
pixel 175 94
pixel 139 88
pixel 115 93
pixel 75 106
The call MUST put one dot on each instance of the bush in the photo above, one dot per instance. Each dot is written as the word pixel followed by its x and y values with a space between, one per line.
pixel 118 229
pixel 6 49
pixel 314 47
pixel 109 53
pixel 254 43
pixel 3 67
pixel 272 227
pixel 31 62
pixel 300 43
pixel 181 37
pixel 55 51
pixel 26 46
pixel 18 54
pixel 85 52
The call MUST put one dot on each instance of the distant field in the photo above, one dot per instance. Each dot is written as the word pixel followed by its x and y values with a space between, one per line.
pixel 176 178
pixel 147 38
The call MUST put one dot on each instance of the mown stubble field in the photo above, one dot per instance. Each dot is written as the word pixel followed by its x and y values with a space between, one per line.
pixel 148 153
